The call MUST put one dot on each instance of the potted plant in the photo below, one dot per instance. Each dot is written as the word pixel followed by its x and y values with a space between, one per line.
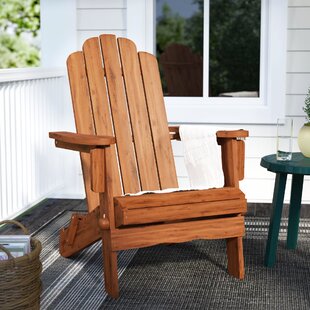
pixel 304 133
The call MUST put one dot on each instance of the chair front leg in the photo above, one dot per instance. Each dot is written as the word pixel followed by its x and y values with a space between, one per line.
pixel 234 247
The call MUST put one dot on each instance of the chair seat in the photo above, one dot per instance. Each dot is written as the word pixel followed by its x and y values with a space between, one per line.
pixel 165 207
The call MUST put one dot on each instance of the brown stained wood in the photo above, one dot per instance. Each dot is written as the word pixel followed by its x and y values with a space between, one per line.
pixel 120 115
pixel 83 116
pixel 82 139
pixel 97 160
pixel 72 229
pixel 142 135
pixel 235 257
pixel 86 232
pixel 241 158
pixel 158 120
pixel 165 199
pixel 149 235
pixel 109 265
pixel 117 97
pixel 100 102
pixel 73 147
pixel 106 199
pixel 232 133
pixel 230 162
pixel 179 212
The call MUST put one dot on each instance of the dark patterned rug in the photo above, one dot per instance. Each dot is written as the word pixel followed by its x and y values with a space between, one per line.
pixel 191 275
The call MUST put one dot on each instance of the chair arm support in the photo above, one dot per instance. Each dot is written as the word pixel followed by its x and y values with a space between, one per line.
pixel 233 152
pixel 80 142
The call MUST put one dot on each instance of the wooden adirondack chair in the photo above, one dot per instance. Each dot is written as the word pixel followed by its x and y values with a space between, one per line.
pixel 124 142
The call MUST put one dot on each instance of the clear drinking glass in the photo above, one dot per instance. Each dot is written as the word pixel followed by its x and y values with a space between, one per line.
pixel 284 138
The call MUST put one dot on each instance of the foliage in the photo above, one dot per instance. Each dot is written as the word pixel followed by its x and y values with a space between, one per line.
pixel 234 45
pixel 170 29
pixel 19 25
pixel 17 53
pixel 306 108
pixel 21 16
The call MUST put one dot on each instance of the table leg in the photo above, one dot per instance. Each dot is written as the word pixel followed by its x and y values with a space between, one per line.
pixel 275 219
pixel 295 203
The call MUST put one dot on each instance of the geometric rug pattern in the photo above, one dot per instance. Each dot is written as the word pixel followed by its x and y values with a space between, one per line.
pixel 189 275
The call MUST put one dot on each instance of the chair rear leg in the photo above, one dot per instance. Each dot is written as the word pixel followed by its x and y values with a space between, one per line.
pixel 234 247
pixel 110 266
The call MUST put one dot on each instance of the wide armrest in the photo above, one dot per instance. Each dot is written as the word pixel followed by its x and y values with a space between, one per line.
pixel 80 142
pixel 239 134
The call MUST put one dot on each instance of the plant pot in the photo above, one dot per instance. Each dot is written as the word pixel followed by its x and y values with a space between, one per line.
pixel 304 139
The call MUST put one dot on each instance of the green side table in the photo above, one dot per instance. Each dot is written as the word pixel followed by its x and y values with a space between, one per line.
pixel 298 167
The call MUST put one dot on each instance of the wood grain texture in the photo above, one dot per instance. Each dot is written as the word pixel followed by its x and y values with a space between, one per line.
pixel 82 139
pixel 139 117
pixel 121 121
pixel 235 265
pixel 144 236
pixel 83 116
pixel 182 211
pixel 158 120
pixel 100 102
pixel 97 160
pixel 180 197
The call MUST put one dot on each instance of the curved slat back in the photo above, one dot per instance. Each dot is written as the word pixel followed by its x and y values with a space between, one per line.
pixel 116 91
pixel 139 117
pixel 158 120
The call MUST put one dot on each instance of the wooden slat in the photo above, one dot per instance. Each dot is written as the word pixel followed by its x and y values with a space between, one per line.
pixel 139 237
pixel 179 212
pixel 100 103
pixel 83 116
pixel 120 115
pixel 158 120
pixel 139 115
pixel 166 199
pixel 97 160
pixel 230 162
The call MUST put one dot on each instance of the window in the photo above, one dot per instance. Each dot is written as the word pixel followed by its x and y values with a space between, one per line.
pixel 19 32
pixel 259 96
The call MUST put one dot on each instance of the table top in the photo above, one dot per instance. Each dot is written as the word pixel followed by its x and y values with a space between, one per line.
pixel 299 164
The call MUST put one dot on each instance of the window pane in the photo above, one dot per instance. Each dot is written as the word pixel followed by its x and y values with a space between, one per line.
pixel 179 46
pixel 234 46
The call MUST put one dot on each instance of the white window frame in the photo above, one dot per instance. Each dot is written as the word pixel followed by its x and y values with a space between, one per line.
pixel 263 110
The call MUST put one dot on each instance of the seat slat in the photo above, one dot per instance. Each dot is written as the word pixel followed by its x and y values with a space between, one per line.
pixel 158 120
pixel 83 116
pixel 120 117
pixel 100 103
pixel 179 212
pixel 139 115
pixel 139 237
pixel 181 197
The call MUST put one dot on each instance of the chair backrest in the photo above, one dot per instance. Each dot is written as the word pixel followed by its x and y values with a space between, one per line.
pixel 117 91
pixel 182 70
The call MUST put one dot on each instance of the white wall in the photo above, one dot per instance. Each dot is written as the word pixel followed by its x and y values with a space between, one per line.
pixel 100 16
pixel 107 16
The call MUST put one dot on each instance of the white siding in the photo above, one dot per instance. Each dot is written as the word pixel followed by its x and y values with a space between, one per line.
pixel 100 16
